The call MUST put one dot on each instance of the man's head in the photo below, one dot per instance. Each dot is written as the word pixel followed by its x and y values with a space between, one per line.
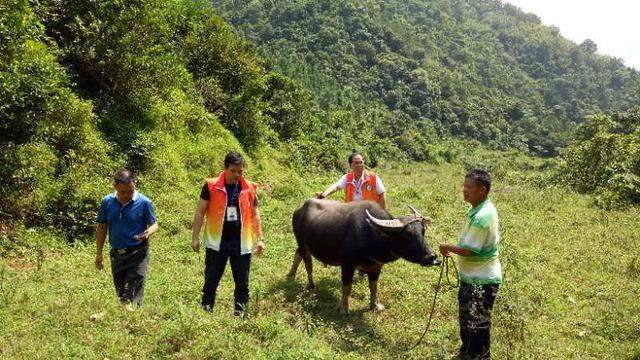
pixel 124 181
pixel 356 162
pixel 477 184
pixel 234 166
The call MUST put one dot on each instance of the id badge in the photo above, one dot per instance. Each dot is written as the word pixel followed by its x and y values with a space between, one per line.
pixel 232 213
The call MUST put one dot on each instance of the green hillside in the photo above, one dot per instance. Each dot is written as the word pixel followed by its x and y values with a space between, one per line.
pixel 415 70
pixel 163 87
pixel 166 87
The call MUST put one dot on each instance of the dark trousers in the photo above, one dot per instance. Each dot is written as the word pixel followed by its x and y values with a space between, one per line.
pixel 215 262
pixel 129 273
pixel 476 304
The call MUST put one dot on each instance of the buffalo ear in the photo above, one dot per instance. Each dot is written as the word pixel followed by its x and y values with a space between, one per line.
pixel 385 226
pixel 425 220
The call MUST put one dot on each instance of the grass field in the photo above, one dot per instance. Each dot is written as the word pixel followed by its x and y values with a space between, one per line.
pixel 571 290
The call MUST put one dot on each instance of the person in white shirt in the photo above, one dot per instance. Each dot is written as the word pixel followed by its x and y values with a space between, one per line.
pixel 359 184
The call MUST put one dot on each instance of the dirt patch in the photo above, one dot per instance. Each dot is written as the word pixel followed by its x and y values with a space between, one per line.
pixel 7 229
pixel 267 186
pixel 20 264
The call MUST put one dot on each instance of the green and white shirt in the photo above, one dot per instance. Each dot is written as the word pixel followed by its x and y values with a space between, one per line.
pixel 480 235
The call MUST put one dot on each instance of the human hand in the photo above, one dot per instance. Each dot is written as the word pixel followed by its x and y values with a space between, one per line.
pixel 141 237
pixel 260 248
pixel 320 195
pixel 444 249
pixel 99 262
pixel 195 245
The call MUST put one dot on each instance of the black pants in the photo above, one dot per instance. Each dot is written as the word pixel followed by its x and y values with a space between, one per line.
pixel 129 273
pixel 476 304
pixel 215 263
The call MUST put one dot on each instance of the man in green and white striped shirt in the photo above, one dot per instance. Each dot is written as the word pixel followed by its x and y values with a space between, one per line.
pixel 479 268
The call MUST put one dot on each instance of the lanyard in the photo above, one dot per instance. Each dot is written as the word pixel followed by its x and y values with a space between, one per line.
pixel 358 183
pixel 235 194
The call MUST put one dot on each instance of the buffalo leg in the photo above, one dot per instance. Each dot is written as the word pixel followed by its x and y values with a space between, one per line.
pixel 374 304
pixel 347 281
pixel 297 259
pixel 308 265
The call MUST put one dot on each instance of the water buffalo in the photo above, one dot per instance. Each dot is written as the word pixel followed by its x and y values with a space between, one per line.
pixel 357 235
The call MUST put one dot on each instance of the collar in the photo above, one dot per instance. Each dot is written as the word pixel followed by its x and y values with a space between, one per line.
pixel 474 210
pixel 364 177
pixel 221 182
pixel 134 198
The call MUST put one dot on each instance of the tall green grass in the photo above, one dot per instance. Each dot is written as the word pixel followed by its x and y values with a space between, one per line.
pixel 572 280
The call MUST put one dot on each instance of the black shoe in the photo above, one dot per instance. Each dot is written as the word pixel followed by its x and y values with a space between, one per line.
pixel 244 315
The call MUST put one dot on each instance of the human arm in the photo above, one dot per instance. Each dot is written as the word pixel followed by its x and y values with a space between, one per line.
pixel 101 236
pixel 328 191
pixel 448 249
pixel 382 201
pixel 150 220
pixel 382 191
pixel 477 238
pixel 260 244
pixel 148 232
pixel 198 219
pixel 341 184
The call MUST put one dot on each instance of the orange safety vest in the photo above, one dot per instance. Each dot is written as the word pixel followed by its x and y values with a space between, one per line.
pixel 368 189
pixel 216 213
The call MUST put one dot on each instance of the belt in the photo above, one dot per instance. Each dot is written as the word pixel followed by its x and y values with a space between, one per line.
pixel 130 250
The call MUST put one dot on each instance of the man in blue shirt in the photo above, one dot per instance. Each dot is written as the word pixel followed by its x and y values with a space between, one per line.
pixel 128 217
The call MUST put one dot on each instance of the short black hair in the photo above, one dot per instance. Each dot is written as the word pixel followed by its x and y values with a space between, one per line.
pixel 124 176
pixel 354 154
pixel 480 177
pixel 233 158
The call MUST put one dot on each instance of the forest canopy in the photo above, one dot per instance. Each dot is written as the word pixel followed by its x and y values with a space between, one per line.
pixel 418 70
pixel 165 87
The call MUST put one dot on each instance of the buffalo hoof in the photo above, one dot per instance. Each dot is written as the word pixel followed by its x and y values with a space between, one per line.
pixel 377 307
pixel 311 287
pixel 291 276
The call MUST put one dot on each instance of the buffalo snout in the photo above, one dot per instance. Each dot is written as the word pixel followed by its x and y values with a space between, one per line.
pixel 430 260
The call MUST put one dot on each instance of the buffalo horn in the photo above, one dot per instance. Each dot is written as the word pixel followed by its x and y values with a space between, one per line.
pixel 415 212
pixel 391 225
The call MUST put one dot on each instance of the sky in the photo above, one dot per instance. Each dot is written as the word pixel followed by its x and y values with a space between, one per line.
pixel 614 25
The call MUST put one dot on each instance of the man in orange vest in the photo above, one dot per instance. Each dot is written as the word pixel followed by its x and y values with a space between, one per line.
pixel 228 206
pixel 359 184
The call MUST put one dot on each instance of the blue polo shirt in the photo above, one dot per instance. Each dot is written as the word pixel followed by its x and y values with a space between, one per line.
pixel 124 222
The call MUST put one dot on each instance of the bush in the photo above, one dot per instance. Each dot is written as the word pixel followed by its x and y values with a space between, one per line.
pixel 604 160
pixel 52 152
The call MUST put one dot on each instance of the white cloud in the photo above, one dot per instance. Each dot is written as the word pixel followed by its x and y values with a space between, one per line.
pixel 612 24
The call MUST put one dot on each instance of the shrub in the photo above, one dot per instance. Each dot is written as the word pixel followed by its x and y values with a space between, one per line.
pixel 604 159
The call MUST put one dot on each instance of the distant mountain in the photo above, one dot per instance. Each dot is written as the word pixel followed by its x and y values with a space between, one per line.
pixel 475 68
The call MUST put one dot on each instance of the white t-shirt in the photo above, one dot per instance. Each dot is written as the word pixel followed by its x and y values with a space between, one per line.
pixel 342 184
